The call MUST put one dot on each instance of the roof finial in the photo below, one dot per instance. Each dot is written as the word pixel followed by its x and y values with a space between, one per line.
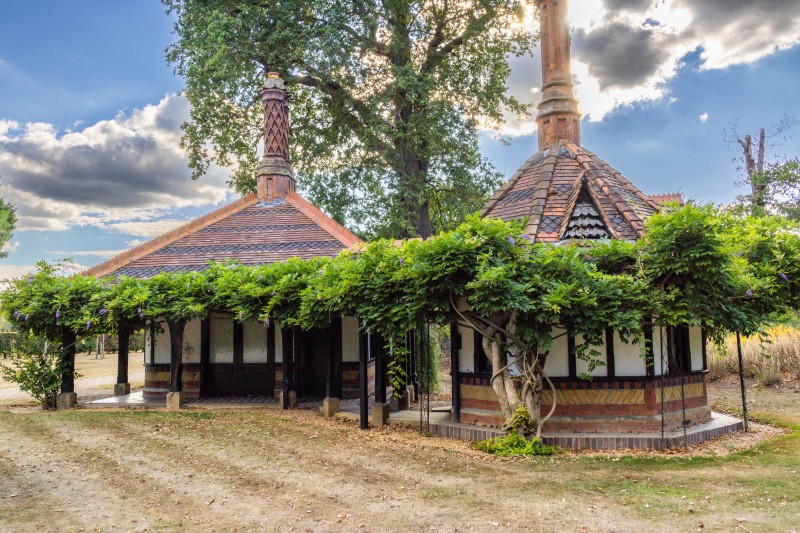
pixel 559 119
pixel 275 177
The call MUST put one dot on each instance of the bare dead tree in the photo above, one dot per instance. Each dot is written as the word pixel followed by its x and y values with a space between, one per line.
pixel 754 153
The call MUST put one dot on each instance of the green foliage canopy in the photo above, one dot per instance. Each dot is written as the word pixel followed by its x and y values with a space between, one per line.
pixel 8 220
pixel 694 267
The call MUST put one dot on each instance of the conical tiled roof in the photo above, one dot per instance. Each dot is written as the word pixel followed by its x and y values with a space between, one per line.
pixel 567 192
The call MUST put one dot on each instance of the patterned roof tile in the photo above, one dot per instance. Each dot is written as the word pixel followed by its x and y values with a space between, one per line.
pixel 249 231
pixel 545 190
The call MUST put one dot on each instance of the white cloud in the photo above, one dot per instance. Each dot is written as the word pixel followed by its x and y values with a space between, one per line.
pixel 8 272
pixel 10 247
pixel 147 229
pixel 703 117
pixel 127 169
pixel 88 253
pixel 15 271
pixel 625 51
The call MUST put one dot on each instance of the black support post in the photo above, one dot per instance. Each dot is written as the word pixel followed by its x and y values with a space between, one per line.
pixel 380 370
pixel 416 343
pixel 123 340
pixel 176 355
pixel 68 339
pixel 649 357
pixel 362 381
pixel 337 346
pixel 271 358
pixel 741 380
pixel 333 388
pixel 572 357
pixel 288 365
pixel 205 356
pixel 610 361
pixel 455 345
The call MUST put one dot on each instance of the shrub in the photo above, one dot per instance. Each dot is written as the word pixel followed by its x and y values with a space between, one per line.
pixel 36 369
pixel 515 444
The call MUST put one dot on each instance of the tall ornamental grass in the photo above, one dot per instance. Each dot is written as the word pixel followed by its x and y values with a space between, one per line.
pixel 770 360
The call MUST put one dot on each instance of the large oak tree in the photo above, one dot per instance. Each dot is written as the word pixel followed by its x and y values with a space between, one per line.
pixel 388 98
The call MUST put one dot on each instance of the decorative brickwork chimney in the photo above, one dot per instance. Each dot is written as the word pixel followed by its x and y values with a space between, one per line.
pixel 559 120
pixel 275 177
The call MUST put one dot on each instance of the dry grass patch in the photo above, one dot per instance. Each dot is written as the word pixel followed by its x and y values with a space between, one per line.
pixel 770 360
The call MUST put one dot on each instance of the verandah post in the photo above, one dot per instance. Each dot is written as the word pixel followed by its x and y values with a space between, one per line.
pixel 122 386
pixel 741 380
pixel 288 396
pixel 330 404
pixel 362 381
pixel 455 345
pixel 175 398
pixel 380 410
pixel 67 398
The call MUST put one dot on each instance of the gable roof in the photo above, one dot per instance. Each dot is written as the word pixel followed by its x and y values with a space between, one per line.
pixel 546 190
pixel 585 222
pixel 250 231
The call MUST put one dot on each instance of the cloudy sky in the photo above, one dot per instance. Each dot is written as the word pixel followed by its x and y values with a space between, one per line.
pixel 90 111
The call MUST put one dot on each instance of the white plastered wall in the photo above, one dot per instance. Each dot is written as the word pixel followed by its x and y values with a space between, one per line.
pixel 221 339
pixel 628 358
pixel 254 342
pixel 148 357
pixel 350 343
pixel 191 341
pixel 162 350
pixel 466 354
pixel 557 364
pixel 582 367
pixel 696 347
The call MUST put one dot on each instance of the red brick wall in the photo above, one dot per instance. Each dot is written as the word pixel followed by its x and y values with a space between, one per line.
pixel 601 404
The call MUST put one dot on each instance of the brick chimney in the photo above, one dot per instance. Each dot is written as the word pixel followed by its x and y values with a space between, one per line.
pixel 558 120
pixel 275 177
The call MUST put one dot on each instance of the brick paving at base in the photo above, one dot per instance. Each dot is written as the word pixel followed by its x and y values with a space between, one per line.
pixel 719 425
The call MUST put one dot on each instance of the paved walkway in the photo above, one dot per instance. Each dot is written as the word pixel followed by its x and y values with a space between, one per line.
pixel 137 399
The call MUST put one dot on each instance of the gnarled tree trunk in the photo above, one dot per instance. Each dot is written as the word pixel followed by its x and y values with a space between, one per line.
pixel 532 377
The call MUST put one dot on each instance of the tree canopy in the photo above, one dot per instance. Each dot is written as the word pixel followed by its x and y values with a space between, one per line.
pixel 8 221
pixel 388 97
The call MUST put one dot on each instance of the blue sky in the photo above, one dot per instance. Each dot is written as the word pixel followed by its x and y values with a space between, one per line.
pixel 90 112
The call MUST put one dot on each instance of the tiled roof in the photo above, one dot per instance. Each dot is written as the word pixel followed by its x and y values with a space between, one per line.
pixel 585 221
pixel 551 185
pixel 247 230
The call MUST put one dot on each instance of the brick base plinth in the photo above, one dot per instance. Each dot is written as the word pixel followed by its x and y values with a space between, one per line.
pixel 601 405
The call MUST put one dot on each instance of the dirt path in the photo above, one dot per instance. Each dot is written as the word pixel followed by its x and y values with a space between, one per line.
pixel 295 471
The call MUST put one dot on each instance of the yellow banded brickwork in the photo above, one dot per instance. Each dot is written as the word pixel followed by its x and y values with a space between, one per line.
pixel 600 405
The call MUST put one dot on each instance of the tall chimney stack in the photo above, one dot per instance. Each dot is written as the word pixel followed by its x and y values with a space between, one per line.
pixel 559 120
pixel 275 177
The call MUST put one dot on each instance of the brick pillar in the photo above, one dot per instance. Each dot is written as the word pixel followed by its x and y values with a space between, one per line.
pixel 558 120
pixel 275 177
